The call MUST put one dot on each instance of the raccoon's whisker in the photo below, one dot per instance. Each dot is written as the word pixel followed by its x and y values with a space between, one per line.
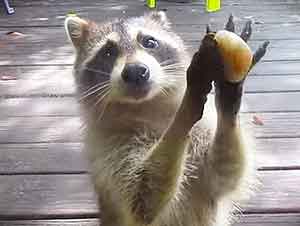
pixel 93 87
pixel 101 95
pixel 93 91
pixel 171 70
pixel 167 62
pixel 175 77
pixel 171 66
pixel 104 107
pixel 189 47
pixel 170 75
pixel 173 63
pixel 165 91
pixel 180 71
pixel 174 69
pixel 172 82
pixel 89 89
pixel 175 72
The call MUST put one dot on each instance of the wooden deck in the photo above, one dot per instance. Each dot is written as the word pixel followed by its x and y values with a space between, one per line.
pixel 43 175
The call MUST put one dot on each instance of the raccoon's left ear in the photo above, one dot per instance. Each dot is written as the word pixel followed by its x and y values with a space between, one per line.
pixel 76 29
pixel 160 17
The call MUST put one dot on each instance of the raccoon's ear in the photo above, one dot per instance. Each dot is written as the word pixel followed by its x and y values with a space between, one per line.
pixel 160 17
pixel 77 30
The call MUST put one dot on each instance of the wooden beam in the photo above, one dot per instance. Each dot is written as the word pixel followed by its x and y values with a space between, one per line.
pixel 37 197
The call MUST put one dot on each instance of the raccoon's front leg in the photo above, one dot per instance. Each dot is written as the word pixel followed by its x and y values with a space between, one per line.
pixel 227 159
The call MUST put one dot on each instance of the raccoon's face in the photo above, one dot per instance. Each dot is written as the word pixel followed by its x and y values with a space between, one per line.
pixel 132 60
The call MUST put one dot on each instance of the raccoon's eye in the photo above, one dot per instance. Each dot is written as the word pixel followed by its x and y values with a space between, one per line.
pixel 108 53
pixel 149 42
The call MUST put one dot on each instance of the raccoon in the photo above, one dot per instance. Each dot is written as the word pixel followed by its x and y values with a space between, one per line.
pixel 157 156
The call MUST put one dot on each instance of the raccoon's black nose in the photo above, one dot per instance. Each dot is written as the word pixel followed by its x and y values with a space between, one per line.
pixel 137 73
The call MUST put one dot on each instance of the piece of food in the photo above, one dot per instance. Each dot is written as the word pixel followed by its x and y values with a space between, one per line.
pixel 237 55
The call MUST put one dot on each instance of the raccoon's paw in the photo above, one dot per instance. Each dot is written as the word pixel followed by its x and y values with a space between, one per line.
pixel 237 56
pixel 224 56
pixel 206 65
pixel 238 60
pixel 226 59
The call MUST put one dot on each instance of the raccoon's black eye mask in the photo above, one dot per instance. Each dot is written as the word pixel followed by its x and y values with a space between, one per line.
pixel 100 66
pixel 110 49
pixel 147 41
pixel 108 54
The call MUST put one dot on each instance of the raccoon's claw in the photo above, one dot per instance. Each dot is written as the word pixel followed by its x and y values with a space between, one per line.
pixel 247 31
pixel 259 53
pixel 205 61
pixel 237 56
pixel 225 59
pixel 230 24
pixel 208 30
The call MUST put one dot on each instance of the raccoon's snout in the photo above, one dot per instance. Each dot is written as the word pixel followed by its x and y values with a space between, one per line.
pixel 136 74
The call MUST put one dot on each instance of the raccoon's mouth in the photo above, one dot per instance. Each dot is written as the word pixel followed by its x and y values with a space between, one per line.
pixel 137 91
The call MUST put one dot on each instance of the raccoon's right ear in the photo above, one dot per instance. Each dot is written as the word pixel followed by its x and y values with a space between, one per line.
pixel 77 30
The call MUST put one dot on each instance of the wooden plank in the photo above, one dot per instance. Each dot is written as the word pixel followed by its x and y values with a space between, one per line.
pixel 179 13
pixel 37 196
pixel 37 81
pixel 284 83
pixel 269 220
pixel 270 102
pixel 69 158
pixel 68 106
pixel 33 196
pixel 40 129
pixel 50 46
pixel 275 125
pixel 58 81
pixel 68 129
pixel 42 158
pixel 281 31
pixel 31 3
pixel 277 68
pixel 277 187
pixel 277 153
pixel 55 222
pixel 245 220
pixel 39 42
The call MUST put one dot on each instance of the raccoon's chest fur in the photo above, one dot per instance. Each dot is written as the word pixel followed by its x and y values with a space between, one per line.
pixel 113 158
